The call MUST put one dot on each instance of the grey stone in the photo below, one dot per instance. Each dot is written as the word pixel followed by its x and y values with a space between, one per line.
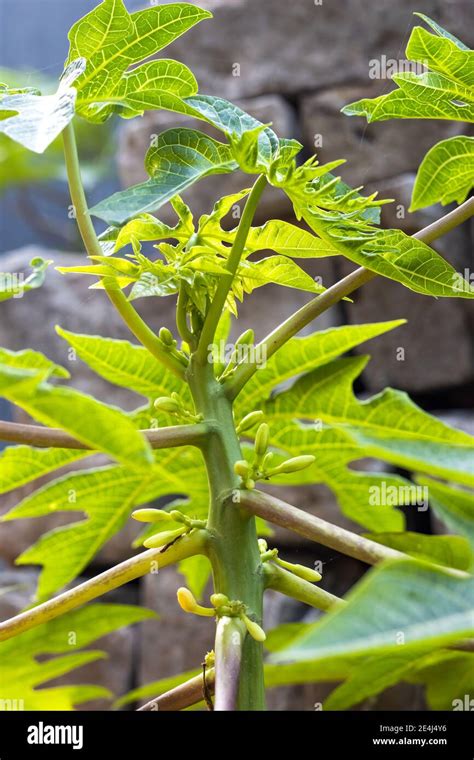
pixel 136 137
pixel 373 151
pixel 299 46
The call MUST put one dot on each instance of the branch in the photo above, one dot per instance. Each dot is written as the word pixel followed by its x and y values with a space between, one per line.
pixel 297 321
pixel 225 282
pixel 230 635
pixel 135 567
pixel 43 437
pixel 132 319
pixel 185 695
pixel 286 516
pixel 279 579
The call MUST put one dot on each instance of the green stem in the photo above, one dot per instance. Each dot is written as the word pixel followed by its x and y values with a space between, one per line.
pixel 287 583
pixel 301 318
pixel 233 546
pixel 225 281
pixel 146 562
pixel 181 318
pixel 132 319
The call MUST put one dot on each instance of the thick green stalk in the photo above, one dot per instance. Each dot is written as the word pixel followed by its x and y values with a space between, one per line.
pixel 132 319
pixel 232 547
pixel 220 297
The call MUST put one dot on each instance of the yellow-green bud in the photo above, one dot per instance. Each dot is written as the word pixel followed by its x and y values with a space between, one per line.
pixel 307 573
pixel 219 600
pixel 254 629
pixel 166 336
pixel 262 545
pixel 167 404
pixel 261 439
pixel 249 421
pixel 250 484
pixel 161 539
pixel 242 468
pixel 188 603
pixel 294 464
pixel 151 515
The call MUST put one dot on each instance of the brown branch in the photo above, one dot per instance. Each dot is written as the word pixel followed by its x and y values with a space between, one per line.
pixel 43 437
pixel 185 695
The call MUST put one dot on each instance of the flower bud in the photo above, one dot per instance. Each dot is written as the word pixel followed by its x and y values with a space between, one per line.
pixel 151 515
pixel 219 600
pixel 188 603
pixel 294 464
pixel 167 404
pixel 166 336
pixel 262 545
pixel 261 439
pixel 249 421
pixel 242 468
pixel 306 573
pixel 254 629
pixel 163 538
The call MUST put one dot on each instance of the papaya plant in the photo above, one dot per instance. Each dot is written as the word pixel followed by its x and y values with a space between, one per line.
pixel 212 427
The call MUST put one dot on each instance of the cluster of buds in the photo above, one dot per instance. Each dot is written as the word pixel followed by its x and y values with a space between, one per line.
pixel 271 555
pixel 222 606
pixel 174 405
pixel 167 536
pixel 170 345
pixel 260 468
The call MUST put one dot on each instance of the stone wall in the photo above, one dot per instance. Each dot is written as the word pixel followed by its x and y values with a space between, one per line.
pixel 294 64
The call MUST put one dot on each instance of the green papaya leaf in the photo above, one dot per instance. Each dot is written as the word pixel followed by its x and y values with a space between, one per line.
pixel 29 359
pixel 23 464
pixel 288 240
pixel 92 422
pixel 111 40
pixel 36 120
pixel 402 605
pixel 446 173
pixel 279 270
pixel 181 157
pixel 22 674
pixel 125 364
pixel 450 551
pixel 388 426
pixel 107 496
pixel 454 506
pixel 444 92
pixel 449 680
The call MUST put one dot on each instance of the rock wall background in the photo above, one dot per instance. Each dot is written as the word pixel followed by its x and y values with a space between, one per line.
pixel 294 64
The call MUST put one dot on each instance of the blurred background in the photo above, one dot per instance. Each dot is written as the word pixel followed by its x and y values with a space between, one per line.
pixel 294 64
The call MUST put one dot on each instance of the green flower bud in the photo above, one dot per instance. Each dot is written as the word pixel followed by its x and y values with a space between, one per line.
pixel 254 629
pixel 167 404
pixel 293 465
pixel 261 439
pixel 166 336
pixel 250 484
pixel 242 468
pixel 219 600
pixel 249 421
pixel 161 539
pixel 262 545
pixel 307 573
pixel 151 515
